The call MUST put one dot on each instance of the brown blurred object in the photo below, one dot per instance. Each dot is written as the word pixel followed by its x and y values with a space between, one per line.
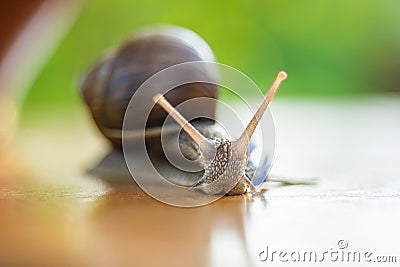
pixel 14 15
pixel 30 32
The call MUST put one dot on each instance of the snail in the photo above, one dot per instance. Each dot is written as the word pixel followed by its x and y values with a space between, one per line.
pixel 108 87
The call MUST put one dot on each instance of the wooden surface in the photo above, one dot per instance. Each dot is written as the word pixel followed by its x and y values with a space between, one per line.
pixel 53 214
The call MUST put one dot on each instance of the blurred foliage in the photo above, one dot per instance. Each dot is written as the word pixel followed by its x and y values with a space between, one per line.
pixel 327 47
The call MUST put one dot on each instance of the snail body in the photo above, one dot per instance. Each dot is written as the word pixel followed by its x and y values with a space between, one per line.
pixel 226 165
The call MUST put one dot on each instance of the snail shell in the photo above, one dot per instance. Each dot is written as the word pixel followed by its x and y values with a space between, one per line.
pixel 111 83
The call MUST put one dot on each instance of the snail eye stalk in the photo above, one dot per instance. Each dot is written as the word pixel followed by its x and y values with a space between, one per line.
pixel 244 139
pixel 200 140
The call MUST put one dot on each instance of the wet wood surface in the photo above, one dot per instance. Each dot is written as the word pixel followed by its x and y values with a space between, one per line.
pixel 53 214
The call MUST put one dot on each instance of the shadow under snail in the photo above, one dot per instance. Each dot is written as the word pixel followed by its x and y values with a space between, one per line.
pixel 111 83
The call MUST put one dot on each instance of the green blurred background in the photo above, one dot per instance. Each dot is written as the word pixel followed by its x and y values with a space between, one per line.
pixel 329 48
